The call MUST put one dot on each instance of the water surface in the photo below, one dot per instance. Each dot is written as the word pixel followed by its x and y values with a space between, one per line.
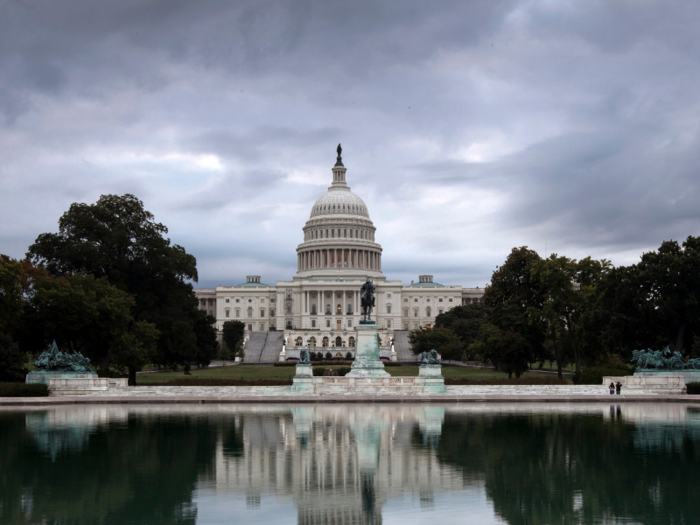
pixel 338 464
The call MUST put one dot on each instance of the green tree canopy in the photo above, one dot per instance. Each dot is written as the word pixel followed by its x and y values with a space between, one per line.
pixel 443 340
pixel 232 333
pixel 465 322
pixel 514 335
pixel 116 238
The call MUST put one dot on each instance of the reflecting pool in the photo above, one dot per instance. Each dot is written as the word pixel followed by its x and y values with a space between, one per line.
pixel 340 464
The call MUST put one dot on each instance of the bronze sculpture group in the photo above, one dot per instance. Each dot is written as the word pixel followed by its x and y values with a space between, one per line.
pixel 662 360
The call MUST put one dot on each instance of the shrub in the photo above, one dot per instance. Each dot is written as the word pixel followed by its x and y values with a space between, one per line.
pixel 23 390
pixel 330 372
pixel 110 373
pixel 343 370
pixel 391 363
pixel 318 370
pixel 289 362
pixel 594 375
pixel 348 356
pixel 329 355
pixel 693 389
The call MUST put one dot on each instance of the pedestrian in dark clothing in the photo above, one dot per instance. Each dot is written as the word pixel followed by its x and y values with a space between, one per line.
pixel 612 389
pixel 618 387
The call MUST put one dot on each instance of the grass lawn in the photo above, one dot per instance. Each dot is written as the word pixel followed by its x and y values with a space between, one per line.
pixel 249 372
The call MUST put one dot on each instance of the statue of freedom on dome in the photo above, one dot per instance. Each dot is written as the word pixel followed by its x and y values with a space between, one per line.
pixel 367 301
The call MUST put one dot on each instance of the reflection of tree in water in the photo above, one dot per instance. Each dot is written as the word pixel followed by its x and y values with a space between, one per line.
pixel 570 468
pixel 164 456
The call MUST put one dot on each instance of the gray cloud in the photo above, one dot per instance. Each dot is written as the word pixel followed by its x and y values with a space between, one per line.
pixel 468 127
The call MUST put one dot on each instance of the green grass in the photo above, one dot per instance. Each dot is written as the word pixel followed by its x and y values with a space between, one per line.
pixel 256 372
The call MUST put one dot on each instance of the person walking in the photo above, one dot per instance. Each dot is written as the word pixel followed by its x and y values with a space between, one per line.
pixel 618 387
pixel 612 389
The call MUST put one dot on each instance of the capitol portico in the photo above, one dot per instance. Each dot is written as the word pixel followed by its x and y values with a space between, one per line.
pixel 320 306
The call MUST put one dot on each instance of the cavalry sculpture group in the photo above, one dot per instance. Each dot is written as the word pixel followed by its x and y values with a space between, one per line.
pixel 662 360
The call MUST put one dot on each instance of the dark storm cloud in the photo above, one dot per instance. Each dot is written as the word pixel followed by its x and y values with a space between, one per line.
pixel 468 127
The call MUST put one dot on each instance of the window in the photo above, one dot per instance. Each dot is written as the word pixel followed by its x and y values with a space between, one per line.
pixel 450 300
pixel 415 326
pixel 228 300
pixel 250 300
pixel 298 341
pixel 250 311
pixel 388 323
pixel 428 311
pixel 272 312
pixel 440 300
pixel 328 309
pixel 388 308
pixel 405 312
pixel 289 309
pixel 349 309
pixel 328 323
pixel 238 313
pixel 312 342
pixel 272 301
pixel 388 296
pixel 250 327
pixel 228 312
pixel 351 342
pixel 415 312
pixel 262 300
pixel 415 300
pixel 405 326
pixel 440 310
pixel 338 341
pixel 313 323
pixel 349 324
pixel 325 341
pixel 428 300
pixel 339 309
pixel 238 300
pixel 262 312
pixel 262 327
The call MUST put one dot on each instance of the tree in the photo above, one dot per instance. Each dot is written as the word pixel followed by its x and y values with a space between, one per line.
pixel 443 340
pixel 11 302
pixel 465 322
pixel 232 333
pixel 567 289
pixel 12 360
pixel 116 238
pixel 514 335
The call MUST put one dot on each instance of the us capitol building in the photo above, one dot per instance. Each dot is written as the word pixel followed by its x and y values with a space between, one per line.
pixel 320 306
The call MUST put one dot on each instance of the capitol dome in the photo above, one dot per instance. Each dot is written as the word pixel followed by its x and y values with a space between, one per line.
pixel 339 233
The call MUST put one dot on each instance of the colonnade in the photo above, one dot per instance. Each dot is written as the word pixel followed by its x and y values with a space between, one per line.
pixel 348 298
pixel 339 258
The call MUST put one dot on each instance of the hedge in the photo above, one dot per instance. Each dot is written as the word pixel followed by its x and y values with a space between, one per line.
pixel 196 381
pixel 693 389
pixel 594 375
pixel 23 390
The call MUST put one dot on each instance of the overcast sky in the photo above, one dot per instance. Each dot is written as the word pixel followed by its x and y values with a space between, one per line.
pixel 468 127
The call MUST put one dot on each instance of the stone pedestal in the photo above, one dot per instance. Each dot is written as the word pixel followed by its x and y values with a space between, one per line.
pixel 433 382
pixel 303 382
pixel 45 377
pixel 649 384
pixel 367 362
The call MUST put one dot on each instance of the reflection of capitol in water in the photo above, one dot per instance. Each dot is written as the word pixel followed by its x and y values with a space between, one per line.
pixel 340 464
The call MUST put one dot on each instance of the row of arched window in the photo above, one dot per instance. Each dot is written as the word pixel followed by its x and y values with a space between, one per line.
pixel 416 312
pixel 249 312
pixel 325 342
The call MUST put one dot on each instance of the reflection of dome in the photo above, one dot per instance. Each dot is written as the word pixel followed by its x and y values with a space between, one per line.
pixel 339 234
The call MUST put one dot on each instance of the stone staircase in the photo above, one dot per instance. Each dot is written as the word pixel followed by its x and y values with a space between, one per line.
pixel 254 347
pixel 273 346
pixel 403 347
